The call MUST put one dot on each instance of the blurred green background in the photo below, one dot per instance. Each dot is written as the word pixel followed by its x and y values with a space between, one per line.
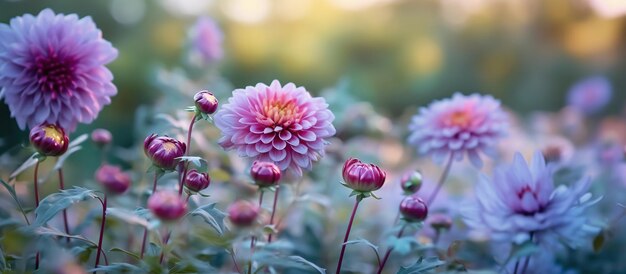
pixel 396 54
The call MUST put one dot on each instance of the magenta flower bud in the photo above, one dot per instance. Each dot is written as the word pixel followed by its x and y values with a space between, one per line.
pixel 196 181
pixel 205 102
pixel 113 179
pixel 167 205
pixel 101 137
pixel 265 174
pixel 363 177
pixel 413 209
pixel 163 151
pixel 49 140
pixel 243 213
pixel 411 182
pixel 440 221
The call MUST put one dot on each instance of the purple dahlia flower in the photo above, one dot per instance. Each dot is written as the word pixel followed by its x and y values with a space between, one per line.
pixel 457 126
pixel 521 202
pixel 52 69
pixel 590 95
pixel 206 40
pixel 279 124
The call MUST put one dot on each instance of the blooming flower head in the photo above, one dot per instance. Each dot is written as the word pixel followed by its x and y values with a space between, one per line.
pixel 49 140
pixel 206 40
pixel 279 124
pixel 521 202
pixel 362 177
pixel 163 151
pixel 458 125
pixel 590 95
pixel 52 69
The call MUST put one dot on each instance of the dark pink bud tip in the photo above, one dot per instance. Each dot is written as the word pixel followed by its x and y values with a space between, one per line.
pixel 196 181
pixel 440 221
pixel 113 179
pixel 101 137
pixel 413 208
pixel 163 151
pixel 265 174
pixel 167 205
pixel 49 140
pixel 243 213
pixel 205 102
pixel 363 177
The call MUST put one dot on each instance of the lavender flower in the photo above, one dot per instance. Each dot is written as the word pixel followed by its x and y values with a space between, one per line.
pixel 206 40
pixel 590 95
pixel 52 69
pixel 459 125
pixel 521 202
pixel 279 124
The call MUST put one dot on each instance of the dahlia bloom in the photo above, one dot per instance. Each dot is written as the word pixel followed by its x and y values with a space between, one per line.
pixel 279 124
pixel 590 95
pixel 521 202
pixel 206 40
pixel 457 126
pixel 52 69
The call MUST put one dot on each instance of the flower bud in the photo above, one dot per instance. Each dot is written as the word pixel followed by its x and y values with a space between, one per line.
pixel 243 213
pixel 113 179
pixel 411 182
pixel 440 221
pixel 69 268
pixel 167 205
pixel 205 102
pixel 362 177
pixel 413 209
pixel 101 137
pixel 163 151
pixel 196 181
pixel 49 140
pixel 265 174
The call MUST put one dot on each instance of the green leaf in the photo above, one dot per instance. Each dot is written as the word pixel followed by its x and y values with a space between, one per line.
pixel 11 191
pixel 422 266
pixel 119 268
pixel 365 242
pixel 54 232
pixel 266 258
pixel 132 217
pixel 212 216
pixel 57 202
pixel 117 249
pixel 3 263
pixel 31 161
pixel 196 160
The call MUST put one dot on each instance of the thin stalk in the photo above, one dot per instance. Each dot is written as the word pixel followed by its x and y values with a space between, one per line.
pixel 62 187
pixel 382 265
pixel 526 261
pixel 104 219
pixel 36 185
pixel 442 179
pixel 232 256
pixel 145 230
pixel 253 239
pixel 189 130
pixel 269 238
pixel 345 238
pixel 165 240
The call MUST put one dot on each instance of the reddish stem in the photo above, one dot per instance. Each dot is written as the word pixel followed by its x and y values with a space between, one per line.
pixel 165 240
pixel 382 264
pixel 36 185
pixel 269 238
pixel 104 219
pixel 62 187
pixel 345 239
pixel 189 130
pixel 253 237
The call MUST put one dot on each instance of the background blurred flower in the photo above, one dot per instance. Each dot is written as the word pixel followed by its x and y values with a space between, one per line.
pixel 284 125
pixel 590 95
pixel 520 202
pixel 167 205
pixel 52 69
pixel 461 124
pixel 101 137
pixel 206 38
pixel 243 213
pixel 113 179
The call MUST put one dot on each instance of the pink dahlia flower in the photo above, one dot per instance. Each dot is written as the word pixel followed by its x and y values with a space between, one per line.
pixel 457 126
pixel 279 124
pixel 52 69
pixel 590 95
pixel 206 40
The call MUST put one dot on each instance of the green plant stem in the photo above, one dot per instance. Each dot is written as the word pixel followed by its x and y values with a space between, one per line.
pixel 345 238
pixel 382 264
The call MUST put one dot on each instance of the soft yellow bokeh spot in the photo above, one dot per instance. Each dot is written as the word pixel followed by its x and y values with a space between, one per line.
pixel 424 56
pixel 590 37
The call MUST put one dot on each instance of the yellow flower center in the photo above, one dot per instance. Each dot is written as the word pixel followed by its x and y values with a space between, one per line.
pixel 169 147
pixel 459 118
pixel 53 133
pixel 209 98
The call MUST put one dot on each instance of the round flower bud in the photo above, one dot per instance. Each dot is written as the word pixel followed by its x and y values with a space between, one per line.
pixel 411 182
pixel 196 181
pixel 205 102
pixel 167 205
pixel 265 174
pixel 243 213
pixel 163 151
pixel 440 221
pixel 49 140
pixel 101 137
pixel 113 179
pixel 413 209
pixel 69 268
pixel 362 177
